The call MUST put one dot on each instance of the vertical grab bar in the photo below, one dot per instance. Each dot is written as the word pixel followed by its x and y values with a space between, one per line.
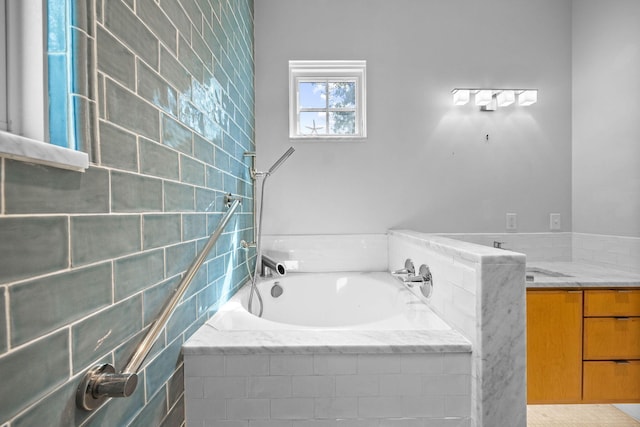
pixel 102 382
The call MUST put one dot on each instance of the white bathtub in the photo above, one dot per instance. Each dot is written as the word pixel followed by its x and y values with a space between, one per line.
pixel 331 301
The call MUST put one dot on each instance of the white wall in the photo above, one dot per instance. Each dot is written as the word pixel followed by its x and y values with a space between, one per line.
pixel 606 112
pixel 425 165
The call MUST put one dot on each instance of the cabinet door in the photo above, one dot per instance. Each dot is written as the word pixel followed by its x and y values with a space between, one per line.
pixel 554 346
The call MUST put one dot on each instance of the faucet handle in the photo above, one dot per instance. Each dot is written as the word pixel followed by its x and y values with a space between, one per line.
pixel 409 268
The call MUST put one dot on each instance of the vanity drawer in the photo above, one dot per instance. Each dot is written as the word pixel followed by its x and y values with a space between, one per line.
pixel 607 338
pixel 611 382
pixel 613 302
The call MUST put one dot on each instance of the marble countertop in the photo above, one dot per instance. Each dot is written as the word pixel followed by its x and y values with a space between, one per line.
pixel 209 340
pixel 578 274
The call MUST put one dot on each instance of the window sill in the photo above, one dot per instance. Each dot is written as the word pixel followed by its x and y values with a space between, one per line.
pixel 32 151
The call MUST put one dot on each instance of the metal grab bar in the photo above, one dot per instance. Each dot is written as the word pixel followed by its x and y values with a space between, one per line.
pixel 102 382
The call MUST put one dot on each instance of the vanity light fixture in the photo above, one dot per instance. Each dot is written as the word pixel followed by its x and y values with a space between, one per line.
pixel 505 98
pixel 460 96
pixel 491 99
pixel 483 97
pixel 528 97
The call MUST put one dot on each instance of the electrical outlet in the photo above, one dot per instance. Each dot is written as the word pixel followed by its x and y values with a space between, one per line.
pixel 512 222
pixel 554 222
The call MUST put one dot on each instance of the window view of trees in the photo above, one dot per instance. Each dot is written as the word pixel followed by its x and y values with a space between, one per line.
pixel 327 107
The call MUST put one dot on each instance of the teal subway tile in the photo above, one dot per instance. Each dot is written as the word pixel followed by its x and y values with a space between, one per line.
pixel 3 322
pixel 95 238
pixel 32 246
pixel 82 15
pixel 36 189
pixel 59 402
pixel 155 298
pixel 129 111
pixel 43 305
pixel 158 160
pixel 57 27
pixel 137 272
pixel 159 370
pixel 194 14
pixel 154 411
pixel 83 53
pixel 121 20
pixel 84 129
pixel 182 318
pixel 176 136
pixel 203 150
pixel 33 371
pixel 189 59
pixel 135 193
pixel 178 197
pixel 215 178
pixel 205 200
pixel 179 257
pixel 194 226
pixel 175 415
pixel 118 148
pixel 100 333
pixel 159 23
pixel 178 17
pixel 202 51
pixel 115 59
pixel 222 160
pixel 216 268
pixel 172 71
pixel 160 230
pixel 175 386
pixel 198 283
pixel 156 90
pixel 192 171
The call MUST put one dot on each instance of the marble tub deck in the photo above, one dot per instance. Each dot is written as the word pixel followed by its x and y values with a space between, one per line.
pixel 209 340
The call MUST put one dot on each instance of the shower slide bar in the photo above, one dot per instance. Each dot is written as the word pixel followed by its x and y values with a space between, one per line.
pixel 101 381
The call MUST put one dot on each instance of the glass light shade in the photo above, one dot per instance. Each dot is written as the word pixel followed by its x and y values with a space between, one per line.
pixel 483 97
pixel 460 96
pixel 528 97
pixel 506 97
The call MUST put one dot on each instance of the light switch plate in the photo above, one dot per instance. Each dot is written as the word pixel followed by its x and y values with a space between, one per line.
pixel 512 222
pixel 554 222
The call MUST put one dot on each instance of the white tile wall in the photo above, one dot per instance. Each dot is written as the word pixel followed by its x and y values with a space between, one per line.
pixel 333 390
pixel 611 251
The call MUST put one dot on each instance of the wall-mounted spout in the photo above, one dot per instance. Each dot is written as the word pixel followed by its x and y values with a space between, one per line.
pixel 270 265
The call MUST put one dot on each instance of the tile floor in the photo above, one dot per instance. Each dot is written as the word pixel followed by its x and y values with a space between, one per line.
pixel 578 416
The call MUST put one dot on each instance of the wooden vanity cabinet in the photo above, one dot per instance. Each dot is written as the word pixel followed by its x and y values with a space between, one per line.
pixel 611 354
pixel 583 346
pixel 554 346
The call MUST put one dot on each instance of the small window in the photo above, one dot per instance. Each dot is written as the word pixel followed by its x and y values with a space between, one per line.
pixel 327 99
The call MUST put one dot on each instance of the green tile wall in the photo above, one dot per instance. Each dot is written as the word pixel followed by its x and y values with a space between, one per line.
pixel 88 259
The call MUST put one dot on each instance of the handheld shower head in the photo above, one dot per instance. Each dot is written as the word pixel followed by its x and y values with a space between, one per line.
pixel 281 160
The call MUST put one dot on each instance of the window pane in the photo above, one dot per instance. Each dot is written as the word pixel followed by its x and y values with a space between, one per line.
pixel 312 94
pixel 342 95
pixel 313 123
pixel 342 123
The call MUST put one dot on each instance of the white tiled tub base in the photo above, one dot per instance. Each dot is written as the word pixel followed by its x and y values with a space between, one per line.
pixel 267 390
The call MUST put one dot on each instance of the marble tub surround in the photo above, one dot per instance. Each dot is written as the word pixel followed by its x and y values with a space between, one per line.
pixel 556 246
pixel 479 290
pixel 580 274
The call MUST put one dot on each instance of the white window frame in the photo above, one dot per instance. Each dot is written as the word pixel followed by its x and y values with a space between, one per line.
pixel 23 82
pixel 307 71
